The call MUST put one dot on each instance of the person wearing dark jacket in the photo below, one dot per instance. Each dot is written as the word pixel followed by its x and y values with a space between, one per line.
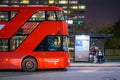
pixel 100 55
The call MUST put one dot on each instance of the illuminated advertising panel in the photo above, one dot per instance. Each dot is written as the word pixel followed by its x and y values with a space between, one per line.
pixel 82 47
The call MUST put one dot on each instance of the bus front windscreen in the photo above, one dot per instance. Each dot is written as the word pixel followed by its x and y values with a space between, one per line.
pixel 53 43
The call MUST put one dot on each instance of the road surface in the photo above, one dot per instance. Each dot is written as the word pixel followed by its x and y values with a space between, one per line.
pixel 72 73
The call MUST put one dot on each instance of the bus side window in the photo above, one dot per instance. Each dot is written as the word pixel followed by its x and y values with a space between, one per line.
pixel 50 43
pixel 60 15
pixel 3 45
pixel 38 16
pixel 51 15
pixel 7 15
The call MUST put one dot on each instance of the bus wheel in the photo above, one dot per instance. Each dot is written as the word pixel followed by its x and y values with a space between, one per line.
pixel 29 64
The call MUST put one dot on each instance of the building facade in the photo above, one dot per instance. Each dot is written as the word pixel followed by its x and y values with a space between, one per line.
pixel 74 10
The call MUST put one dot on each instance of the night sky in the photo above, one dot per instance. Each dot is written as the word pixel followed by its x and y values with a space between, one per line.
pixel 102 11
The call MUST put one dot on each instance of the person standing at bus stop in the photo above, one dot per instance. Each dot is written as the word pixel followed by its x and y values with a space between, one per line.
pixel 100 55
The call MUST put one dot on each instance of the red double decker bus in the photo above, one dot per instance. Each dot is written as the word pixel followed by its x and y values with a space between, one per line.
pixel 33 38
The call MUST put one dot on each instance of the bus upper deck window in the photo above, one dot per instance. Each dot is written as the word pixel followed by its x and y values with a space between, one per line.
pixel 60 15
pixel 50 15
pixel 39 16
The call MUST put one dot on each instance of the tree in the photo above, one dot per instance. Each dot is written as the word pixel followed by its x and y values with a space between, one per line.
pixel 116 29
pixel 112 42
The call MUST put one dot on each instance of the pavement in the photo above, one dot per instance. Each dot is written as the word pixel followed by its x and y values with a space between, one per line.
pixel 105 64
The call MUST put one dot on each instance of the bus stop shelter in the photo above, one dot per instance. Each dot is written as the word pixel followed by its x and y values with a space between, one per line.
pixel 83 43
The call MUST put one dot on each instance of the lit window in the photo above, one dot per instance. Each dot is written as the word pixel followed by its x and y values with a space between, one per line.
pixel 63 1
pixel 65 11
pixel 74 7
pixel 25 1
pixel 51 1
pixel 78 22
pixel 70 21
pixel 64 7
pixel 73 2
pixel 75 17
pixel 82 7
pixel 81 16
